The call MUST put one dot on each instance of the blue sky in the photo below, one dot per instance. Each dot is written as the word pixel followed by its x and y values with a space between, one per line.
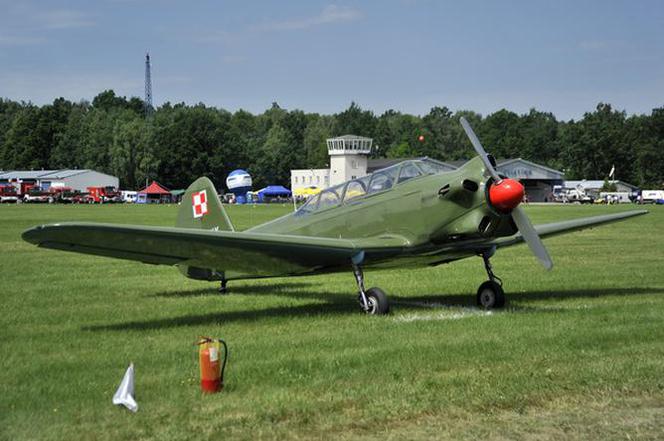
pixel 318 56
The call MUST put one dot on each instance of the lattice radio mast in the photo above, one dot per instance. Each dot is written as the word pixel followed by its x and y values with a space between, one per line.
pixel 148 87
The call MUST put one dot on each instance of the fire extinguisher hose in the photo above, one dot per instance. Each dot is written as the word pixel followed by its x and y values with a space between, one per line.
pixel 223 365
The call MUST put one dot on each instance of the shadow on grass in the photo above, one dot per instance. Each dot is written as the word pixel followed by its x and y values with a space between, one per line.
pixel 344 303
pixel 334 305
pixel 469 299
pixel 212 290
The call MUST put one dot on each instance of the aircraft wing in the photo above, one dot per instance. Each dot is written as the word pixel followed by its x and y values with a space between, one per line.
pixel 248 255
pixel 240 254
pixel 568 226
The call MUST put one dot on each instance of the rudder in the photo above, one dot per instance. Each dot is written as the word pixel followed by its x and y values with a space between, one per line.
pixel 201 208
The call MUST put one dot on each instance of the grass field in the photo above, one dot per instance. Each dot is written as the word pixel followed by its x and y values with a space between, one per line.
pixel 578 353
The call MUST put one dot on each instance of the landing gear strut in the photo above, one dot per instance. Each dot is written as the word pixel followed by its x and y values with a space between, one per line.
pixel 490 294
pixel 373 301
pixel 222 287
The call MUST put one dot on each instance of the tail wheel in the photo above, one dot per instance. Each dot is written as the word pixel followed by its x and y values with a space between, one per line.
pixel 490 295
pixel 378 303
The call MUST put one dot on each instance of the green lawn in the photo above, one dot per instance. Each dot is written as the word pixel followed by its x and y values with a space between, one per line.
pixel 578 353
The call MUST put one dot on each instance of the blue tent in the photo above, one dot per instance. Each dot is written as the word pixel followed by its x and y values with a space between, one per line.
pixel 273 191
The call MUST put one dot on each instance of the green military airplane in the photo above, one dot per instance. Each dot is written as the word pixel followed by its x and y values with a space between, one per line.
pixel 412 214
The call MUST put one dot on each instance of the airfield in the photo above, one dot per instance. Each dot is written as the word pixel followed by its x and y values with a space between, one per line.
pixel 578 352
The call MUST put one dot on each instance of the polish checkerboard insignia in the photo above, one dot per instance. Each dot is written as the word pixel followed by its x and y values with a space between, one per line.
pixel 199 203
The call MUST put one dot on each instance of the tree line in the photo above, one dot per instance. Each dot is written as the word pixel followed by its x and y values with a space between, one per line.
pixel 178 143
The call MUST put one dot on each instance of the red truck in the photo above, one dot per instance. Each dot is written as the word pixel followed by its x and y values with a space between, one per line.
pixel 8 193
pixel 103 195
pixel 36 194
pixel 65 195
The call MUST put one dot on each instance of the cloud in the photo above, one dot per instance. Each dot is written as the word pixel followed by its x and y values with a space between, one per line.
pixel 216 36
pixel 64 19
pixel 23 24
pixel 329 15
pixel 19 40
pixel 233 59
pixel 42 88
pixel 593 45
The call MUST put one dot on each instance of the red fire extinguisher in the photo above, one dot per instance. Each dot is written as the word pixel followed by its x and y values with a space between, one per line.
pixel 212 363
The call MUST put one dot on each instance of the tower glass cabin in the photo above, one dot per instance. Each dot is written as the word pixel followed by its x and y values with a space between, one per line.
pixel 348 157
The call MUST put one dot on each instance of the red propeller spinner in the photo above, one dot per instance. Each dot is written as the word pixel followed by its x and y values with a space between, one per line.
pixel 506 194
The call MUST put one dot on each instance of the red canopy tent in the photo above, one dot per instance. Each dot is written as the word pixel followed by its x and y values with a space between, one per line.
pixel 154 193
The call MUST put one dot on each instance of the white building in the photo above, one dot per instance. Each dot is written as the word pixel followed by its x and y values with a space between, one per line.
pixel 348 160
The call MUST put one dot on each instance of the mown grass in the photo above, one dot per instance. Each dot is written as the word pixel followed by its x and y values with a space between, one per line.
pixel 578 353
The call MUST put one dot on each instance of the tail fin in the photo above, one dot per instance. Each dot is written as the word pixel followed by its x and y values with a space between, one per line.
pixel 201 208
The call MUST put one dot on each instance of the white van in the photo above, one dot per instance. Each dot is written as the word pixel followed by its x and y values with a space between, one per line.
pixel 129 196
pixel 615 197
pixel 652 196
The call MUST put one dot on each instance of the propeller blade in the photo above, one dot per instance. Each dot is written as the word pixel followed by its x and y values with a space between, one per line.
pixel 520 219
pixel 530 236
pixel 479 149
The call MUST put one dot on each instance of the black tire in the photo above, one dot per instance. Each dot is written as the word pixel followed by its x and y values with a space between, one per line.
pixel 378 303
pixel 490 295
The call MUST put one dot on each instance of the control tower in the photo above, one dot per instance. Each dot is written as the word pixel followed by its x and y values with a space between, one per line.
pixel 348 157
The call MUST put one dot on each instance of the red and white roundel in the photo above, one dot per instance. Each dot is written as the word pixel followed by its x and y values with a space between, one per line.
pixel 199 203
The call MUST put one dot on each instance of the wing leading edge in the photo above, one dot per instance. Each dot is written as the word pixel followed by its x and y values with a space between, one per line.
pixel 243 254
pixel 563 227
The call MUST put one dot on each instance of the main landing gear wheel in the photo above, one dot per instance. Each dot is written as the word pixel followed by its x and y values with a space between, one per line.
pixel 490 295
pixel 373 301
pixel 378 303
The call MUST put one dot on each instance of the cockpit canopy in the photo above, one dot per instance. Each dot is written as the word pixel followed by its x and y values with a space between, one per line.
pixel 379 181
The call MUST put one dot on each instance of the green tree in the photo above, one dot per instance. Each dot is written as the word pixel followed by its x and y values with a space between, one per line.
pixel 355 121
pixel 70 142
pixel 647 138
pixel 501 136
pixel 540 138
pixel 131 155
pixel 274 163
pixel 597 142
pixel 318 130
pixel 8 111
pixel 24 145
pixel 460 146
pixel 185 139
pixel 107 100
pixel 609 186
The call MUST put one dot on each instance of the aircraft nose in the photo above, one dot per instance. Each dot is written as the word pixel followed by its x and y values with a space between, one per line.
pixel 506 195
